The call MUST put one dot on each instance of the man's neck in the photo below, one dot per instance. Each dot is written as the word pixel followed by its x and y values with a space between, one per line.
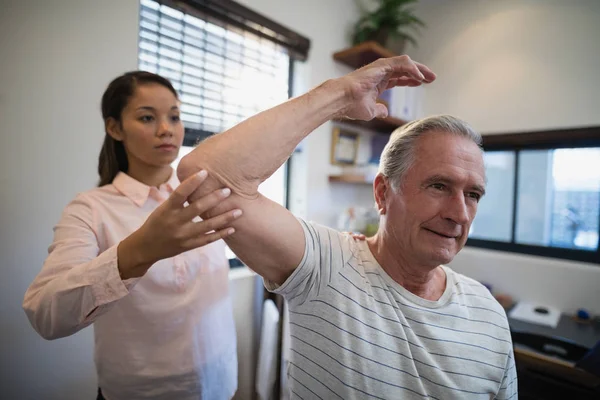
pixel 424 281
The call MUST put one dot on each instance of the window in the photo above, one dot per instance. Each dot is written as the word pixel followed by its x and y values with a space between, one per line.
pixel 543 195
pixel 223 74
pixel 226 62
pixel 494 213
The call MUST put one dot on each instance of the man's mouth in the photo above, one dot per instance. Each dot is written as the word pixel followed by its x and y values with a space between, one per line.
pixel 444 235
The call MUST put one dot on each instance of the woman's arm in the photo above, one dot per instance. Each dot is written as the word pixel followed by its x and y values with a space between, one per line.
pixel 77 284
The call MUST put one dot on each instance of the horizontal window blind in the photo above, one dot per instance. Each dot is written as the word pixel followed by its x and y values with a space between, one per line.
pixel 222 73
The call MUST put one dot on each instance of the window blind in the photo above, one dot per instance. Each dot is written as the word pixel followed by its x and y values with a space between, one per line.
pixel 223 73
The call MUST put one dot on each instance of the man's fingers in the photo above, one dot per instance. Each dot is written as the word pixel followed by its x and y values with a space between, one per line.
pixel 186 188
pixel 427 73
pixel 415 70
pixel 381 110
pixel 403 81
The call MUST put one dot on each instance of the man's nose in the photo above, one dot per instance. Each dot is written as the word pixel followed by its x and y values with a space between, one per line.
pixel 456 209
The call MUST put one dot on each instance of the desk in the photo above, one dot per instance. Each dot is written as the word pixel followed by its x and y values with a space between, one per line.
pixel 546 358
pixel 586 335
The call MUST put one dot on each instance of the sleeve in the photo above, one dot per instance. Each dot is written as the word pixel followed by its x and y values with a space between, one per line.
pixel 76 284
pixel 326 252
pixel 509 386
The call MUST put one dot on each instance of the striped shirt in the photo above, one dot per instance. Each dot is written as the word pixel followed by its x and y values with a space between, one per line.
pixel 356 333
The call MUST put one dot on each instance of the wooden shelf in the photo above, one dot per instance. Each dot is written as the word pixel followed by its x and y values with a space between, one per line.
pixel 383 125
pixel 361 179
pixel 362 54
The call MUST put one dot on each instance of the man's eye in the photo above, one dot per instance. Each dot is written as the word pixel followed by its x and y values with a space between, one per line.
pixel 475 196
pixel 175 118
pixel 438 186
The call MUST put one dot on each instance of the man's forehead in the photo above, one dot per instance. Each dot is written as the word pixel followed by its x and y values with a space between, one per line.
pixel 453 156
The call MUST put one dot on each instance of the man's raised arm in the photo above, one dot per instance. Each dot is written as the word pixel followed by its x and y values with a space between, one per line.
pixel 268 237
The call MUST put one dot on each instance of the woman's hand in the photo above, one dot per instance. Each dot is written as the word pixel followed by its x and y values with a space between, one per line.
pixel 169 230
pixel 356 236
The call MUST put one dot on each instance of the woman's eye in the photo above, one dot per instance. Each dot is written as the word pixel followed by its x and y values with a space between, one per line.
pixel 175 118
pixel 146 118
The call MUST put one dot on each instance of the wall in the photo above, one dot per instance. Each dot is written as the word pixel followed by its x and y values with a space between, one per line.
pixel 512 65
pixel 517 65
pixel 57 58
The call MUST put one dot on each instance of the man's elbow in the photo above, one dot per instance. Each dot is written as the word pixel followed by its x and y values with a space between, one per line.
pixel 220 173
pixel 187 167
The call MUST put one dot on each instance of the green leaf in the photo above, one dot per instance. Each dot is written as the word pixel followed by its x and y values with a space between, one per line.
pixel 395 16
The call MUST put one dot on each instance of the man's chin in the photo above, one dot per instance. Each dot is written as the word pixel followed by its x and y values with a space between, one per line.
pixel 442 256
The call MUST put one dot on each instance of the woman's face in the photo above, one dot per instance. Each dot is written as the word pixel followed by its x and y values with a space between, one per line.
pixel 151 129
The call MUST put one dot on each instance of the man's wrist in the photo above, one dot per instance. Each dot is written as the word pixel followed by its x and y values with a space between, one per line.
pixel 330 99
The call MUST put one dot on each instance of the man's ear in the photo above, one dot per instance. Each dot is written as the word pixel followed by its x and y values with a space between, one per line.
pixel 381 188
pixel 113 128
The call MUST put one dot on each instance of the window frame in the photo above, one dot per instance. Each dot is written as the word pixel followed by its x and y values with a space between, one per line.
pixel 539 140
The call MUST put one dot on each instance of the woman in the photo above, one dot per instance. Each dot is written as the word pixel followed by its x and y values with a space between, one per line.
pixel 132 257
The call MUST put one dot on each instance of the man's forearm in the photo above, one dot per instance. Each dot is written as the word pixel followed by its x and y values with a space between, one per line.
pixel 247 154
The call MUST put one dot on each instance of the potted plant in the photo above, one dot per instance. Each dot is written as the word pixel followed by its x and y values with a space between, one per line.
pixel 391 20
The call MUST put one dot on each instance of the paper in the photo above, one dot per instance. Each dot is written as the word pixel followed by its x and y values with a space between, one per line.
pixel 529 312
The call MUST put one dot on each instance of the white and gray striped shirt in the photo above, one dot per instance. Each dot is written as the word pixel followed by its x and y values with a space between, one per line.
pixel 356 333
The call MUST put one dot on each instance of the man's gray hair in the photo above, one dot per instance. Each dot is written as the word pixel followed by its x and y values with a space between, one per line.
pixel 399 153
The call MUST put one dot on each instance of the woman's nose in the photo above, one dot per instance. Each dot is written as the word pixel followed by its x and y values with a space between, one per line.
pixel 164 129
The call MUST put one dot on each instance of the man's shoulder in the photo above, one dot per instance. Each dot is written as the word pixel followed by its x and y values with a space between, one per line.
pixel 323 234
pixel 329 242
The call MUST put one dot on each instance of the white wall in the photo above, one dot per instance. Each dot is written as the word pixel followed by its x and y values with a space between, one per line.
pixel 517 65
pixel 513 65
pixel 57 58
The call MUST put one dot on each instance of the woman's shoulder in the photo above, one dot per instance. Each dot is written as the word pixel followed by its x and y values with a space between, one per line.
pixel 92 198
pixel 96 193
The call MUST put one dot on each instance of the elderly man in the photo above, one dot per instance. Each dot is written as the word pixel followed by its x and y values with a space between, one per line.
pixel 381 318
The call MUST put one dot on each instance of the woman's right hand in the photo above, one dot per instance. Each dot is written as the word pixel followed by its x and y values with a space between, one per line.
pixel 170 229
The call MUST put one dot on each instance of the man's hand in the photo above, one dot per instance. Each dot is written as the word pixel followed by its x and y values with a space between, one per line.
pixel 363 86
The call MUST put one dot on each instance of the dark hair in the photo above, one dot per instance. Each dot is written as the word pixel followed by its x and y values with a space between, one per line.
pixel 112 157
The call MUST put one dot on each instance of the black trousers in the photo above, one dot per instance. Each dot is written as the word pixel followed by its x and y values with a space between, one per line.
pixel 100 397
